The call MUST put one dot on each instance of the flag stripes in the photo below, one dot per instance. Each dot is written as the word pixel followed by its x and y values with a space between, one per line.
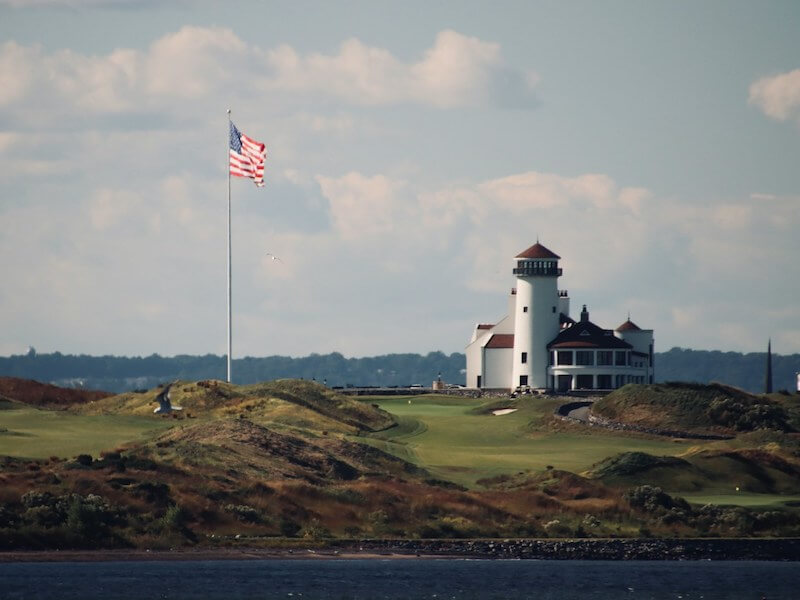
pixel 246 156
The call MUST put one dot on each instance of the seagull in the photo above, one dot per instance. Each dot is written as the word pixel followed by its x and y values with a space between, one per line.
pixel 274 257
pixel 163 399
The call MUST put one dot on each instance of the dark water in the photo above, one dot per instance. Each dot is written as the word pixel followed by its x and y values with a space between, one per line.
pixel 401 579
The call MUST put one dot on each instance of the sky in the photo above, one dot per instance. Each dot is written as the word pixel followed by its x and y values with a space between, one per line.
pixel 414 148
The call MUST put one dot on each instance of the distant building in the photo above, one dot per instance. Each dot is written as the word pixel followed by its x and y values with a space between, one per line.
pixel 539 346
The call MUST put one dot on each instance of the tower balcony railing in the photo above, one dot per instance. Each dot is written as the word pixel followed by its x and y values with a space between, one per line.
pixel 527 271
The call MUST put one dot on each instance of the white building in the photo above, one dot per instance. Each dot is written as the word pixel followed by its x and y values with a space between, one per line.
pixel 537 345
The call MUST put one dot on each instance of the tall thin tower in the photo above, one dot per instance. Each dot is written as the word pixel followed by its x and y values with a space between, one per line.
pixel 536 315
pixel 768 373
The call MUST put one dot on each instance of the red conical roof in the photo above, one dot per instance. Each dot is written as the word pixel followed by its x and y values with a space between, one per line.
pixel 537 251
pixel 629 326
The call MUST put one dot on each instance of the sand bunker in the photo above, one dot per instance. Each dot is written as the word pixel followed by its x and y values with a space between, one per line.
pixel 503 411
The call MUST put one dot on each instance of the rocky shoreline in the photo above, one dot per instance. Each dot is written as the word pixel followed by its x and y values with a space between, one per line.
pixel 783 549
pixel 595 549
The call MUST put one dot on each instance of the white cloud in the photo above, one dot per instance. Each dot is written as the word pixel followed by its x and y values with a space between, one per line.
pixel 457 71
pixel 367 206
pixel 778 96
pixel 197 61
pixel 188 72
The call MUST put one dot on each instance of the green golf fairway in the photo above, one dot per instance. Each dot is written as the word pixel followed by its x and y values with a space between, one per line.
pixel 441 434
pixel 27 432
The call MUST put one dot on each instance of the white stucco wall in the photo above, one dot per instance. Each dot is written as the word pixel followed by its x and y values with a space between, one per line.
pixel 474 352
pixel 640 340
pixel 497 367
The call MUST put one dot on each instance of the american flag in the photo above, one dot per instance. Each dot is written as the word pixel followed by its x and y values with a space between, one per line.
pixel 247 157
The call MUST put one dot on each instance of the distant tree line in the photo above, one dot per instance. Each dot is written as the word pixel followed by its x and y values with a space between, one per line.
pixel 122 373
pixel 746 371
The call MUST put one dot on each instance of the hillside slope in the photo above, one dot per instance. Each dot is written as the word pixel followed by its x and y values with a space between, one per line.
pixel 747 470
pixel 45 395
pixel 695 408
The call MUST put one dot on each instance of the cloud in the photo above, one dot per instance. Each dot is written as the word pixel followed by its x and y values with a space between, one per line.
pixel 778 96
pixel 365 206
pixel 457 71
pixel 185 73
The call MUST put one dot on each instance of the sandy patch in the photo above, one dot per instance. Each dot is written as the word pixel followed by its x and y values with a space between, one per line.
pixel 503 411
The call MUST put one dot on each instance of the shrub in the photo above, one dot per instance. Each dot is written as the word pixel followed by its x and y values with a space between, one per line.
pixel 315 531
pixel 590 521
pixel 743 415
pixel 288 527
pixel 33 499
pixel 346 495
pixel 84 460
pixel 7 517
pixel 654 500
pixel 154 492
pixel 174 519
pixel 556 527
pixel 243 512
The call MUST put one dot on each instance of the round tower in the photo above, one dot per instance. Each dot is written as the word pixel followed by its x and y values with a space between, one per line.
pixel 536 314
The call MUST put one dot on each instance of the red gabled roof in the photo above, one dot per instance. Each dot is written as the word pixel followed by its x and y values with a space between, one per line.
pixel 501 340
pixel 537 251
pixel 629 326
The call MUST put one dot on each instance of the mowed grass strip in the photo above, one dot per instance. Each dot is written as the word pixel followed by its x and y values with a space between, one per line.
pixel 772 501
pixel 34 433
pixel 454 444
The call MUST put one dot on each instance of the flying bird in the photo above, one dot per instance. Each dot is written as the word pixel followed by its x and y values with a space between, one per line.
pixel 274 257
pixel 163 399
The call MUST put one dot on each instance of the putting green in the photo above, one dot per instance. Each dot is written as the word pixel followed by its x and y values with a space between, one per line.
pixel 444 436
pixel 26 432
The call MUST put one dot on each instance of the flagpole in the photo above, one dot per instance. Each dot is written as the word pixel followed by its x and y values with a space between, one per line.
pixel 230 335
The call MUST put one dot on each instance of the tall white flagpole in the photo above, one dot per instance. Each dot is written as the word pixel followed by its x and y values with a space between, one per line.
pixel 230 334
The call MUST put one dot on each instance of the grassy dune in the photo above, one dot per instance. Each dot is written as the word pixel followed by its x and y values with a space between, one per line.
pixel 697 408
pixel 291 403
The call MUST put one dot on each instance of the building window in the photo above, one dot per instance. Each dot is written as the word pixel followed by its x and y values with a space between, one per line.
pixel 524 309
pixel 565 357
pixel 605 358
pixel 554 310
pixel 619 359
pixel 552 357
pixel 584 357
pixel 604 382
pixel 524 357
pixel 620 381
pixel 523 380
pixel 479 381
pixel 585 382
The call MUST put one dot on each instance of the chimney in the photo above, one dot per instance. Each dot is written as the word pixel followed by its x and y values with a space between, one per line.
pixel 584 315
